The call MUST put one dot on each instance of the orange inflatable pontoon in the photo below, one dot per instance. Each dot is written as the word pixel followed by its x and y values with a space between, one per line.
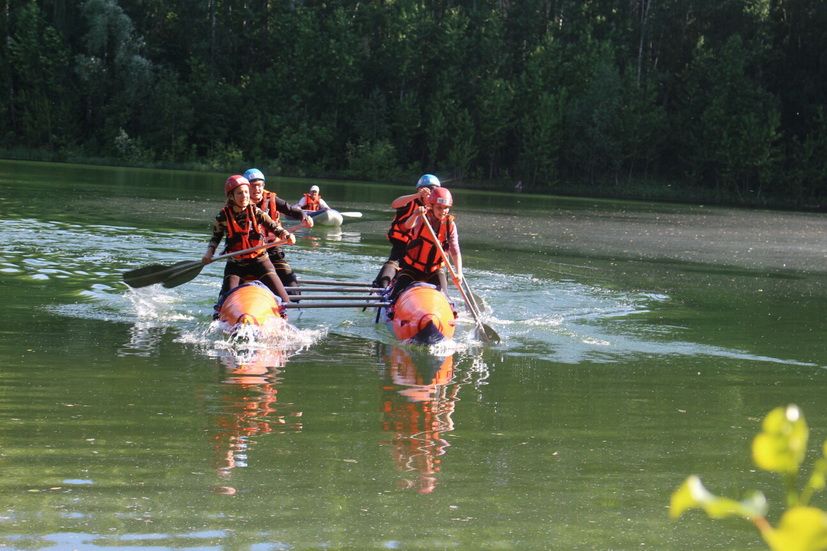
pixel 251 304
pixel 423 315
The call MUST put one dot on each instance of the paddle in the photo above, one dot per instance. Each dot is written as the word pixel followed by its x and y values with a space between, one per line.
pixel 484 332
pixel 184 271
pixel 351 214
pixel 180 272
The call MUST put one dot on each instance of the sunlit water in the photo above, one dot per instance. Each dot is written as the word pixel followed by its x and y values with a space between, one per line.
pixel 131 419
pixel 558 320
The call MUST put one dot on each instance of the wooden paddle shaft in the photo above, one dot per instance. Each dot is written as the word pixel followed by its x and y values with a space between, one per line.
pixel 251 249
pixel 474 313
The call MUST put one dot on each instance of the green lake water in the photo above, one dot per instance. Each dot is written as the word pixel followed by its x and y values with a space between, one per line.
pixel 641 343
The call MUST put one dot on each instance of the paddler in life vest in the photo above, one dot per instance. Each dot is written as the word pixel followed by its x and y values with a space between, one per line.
pixel 405 206
pixel 422 261
pixel 245 225
pixel 273 205
pixel 312 200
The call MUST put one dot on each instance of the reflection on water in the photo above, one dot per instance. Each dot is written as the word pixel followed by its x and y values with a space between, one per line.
pixel 248 408
pixel 419 395
pixel 617 375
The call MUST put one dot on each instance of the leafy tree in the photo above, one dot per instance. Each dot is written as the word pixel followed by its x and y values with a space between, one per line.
pixel 169 127
pixel 114 74
pixel 806 175
pixel 541 139
pixel 594 122
pixel 463 148
pixel 37 59
pixel 372 160
pixel 719 95
pixel 732 120
pixel 495 108
pixel 217 110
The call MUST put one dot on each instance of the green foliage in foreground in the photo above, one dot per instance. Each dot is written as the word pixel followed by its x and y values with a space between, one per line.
pixel 779 448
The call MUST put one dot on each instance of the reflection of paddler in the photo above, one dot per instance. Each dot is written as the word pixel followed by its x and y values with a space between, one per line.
pixel 248 408
pixel 419 397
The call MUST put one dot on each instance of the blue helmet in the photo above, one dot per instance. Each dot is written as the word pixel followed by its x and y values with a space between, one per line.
pixel 427 180
pixel 254 174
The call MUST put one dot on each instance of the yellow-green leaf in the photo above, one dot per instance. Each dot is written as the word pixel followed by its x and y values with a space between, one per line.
pixel 800 529
pixel 693 495
pixel 781 445
pixel 818 478
pixel 689 495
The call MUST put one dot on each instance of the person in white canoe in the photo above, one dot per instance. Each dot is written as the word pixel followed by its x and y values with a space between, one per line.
pixel 312 200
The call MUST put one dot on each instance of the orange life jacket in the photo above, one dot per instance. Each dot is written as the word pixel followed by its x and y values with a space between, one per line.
pixel 422 253
pixel 268 205
pixel 239 238
pixel 310 202
pixel 396 230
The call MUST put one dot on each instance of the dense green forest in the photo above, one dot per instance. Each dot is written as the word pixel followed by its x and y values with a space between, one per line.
pixel 720 99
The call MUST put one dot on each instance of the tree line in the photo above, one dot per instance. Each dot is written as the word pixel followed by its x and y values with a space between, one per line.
pixel 722 99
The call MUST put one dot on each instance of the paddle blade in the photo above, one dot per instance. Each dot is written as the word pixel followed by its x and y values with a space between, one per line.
pixel 486 333
pixel 354 214
pixel 183 275
pixel 152 274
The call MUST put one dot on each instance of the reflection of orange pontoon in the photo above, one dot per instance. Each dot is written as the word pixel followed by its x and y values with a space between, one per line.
pixel 419 397
pixel 423 315
pixel 251 305
pixel 248 408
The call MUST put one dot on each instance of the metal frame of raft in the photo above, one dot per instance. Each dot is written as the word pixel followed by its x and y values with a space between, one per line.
pixel 422 314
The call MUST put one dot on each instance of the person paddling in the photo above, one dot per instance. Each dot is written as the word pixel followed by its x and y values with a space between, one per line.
pixel 245 225
pixel 405 206
pixel 312 200
pixel 422 260
pixel 271 204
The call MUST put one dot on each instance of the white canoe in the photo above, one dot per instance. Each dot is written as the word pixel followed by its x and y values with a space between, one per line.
pixel 326 217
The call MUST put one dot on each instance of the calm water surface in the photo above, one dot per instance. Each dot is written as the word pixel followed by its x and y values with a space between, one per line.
pixel 641 343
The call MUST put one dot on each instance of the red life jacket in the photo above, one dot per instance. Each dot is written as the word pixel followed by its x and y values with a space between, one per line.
pixel 310 202
pixel 268 205
pixel 396 230
pixel 239 238
pixel 422 253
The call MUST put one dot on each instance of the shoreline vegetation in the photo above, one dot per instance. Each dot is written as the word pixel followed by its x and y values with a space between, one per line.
pixel 713 101
pixel 648 191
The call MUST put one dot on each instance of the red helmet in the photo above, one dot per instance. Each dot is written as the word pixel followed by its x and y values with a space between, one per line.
pixel 233 182
pixel 440 196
